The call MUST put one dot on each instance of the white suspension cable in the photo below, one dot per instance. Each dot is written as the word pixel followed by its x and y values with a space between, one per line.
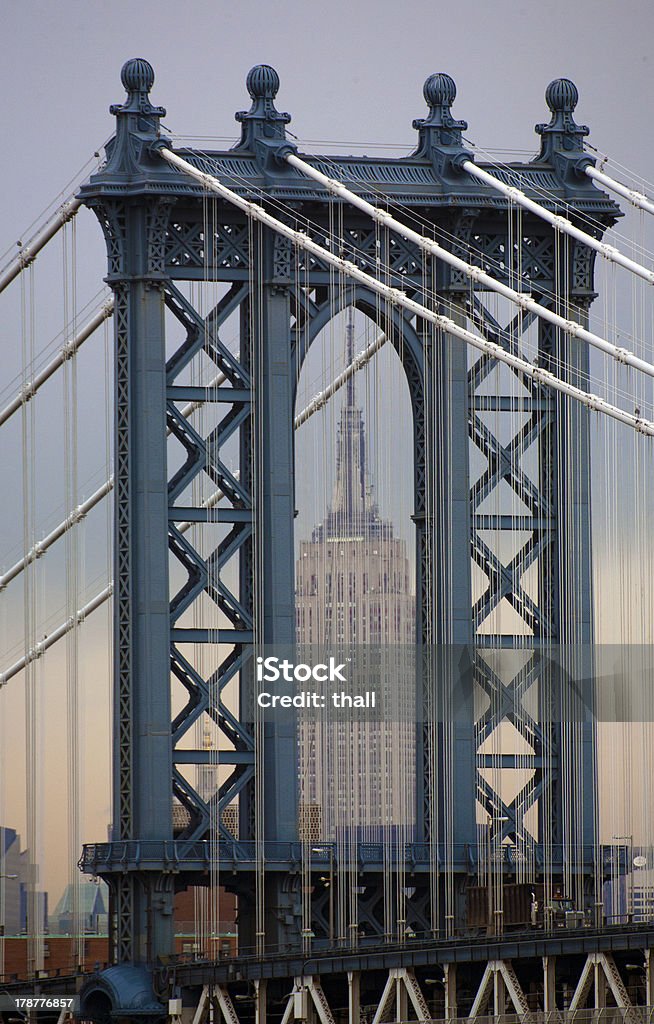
pixel 276 203
pixel 445 235
pixel 61 631
pixel 520 299
pixel 82 510
pixel 42 546
pixel 28 253
pixel 535 373
pixel 314 405
pixel 430 293
pixel 638 199
pixel 29 390
pixel 542 194
pixel 323 397
pixel 560 222
pixel 399 298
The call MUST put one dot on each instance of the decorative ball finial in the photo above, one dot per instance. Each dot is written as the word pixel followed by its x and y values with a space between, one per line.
pixel 562 96
pixel 439 130
pixel 262 120
pixel 137 75
pixel 262 82
pixel 562 134
pixel 439 89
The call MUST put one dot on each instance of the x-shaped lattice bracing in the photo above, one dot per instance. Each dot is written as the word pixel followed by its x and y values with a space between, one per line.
pixel 504 580
pixel 203 573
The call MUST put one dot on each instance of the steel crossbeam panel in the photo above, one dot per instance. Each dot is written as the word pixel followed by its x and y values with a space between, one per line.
pixel 543 620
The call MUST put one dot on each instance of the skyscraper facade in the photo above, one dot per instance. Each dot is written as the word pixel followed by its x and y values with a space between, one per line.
pixel 354 587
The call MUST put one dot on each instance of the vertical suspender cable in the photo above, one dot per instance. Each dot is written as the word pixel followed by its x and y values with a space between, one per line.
pixel 558 221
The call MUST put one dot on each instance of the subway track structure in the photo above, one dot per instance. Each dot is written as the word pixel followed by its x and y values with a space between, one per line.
pixel 530 975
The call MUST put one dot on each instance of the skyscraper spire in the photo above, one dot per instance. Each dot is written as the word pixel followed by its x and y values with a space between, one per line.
pixel 349 354
pixel 352 513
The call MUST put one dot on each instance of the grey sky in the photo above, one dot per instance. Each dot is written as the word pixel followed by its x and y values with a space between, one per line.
pixel 350 71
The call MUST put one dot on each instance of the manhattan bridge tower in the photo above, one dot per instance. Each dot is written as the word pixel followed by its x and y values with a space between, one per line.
pixel 182 265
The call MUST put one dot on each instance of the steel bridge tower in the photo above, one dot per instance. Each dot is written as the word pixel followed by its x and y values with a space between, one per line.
pixel 158 235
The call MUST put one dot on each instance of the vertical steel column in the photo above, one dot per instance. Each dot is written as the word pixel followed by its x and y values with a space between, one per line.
pixel 141 903
pixel 451 821
pixel 453 571
pixel 565 572
pixel 273 489
pixel 142 800
pixel 566 583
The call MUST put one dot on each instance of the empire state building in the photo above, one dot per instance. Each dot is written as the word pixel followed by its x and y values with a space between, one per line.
pixel 353 587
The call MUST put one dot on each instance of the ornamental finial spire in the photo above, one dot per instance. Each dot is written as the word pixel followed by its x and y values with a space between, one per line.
pixel 562 134
pixel 439 129
pixel 262 120
pixel 137 76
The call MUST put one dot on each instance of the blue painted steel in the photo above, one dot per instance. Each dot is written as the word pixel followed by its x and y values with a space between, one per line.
pixel 156 234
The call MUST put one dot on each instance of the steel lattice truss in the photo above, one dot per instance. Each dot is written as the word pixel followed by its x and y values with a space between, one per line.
pixel 206 575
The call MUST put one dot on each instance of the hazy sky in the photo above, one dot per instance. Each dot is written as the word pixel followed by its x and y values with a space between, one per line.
pixel 349 71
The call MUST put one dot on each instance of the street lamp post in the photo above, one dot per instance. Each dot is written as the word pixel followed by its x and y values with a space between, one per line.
pixel 494 913
pixel 330 885
pixel 628 846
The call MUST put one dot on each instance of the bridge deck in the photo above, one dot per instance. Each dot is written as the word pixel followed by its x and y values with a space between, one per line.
pixel 420 953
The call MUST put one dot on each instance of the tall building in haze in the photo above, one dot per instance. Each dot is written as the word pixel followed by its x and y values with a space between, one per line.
pixel 353 587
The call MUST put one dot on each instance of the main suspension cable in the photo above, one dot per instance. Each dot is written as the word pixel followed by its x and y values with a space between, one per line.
pixel 638 199
pixel 29 389
pixel 523 301
pixel 28 253
pixel 515 194
pixel 38 649
pixel 399 298
pixel 42 545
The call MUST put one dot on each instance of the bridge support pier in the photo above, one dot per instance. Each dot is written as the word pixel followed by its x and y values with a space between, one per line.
pixel 499 981
pixel 451 1005
pixel 260 1001
pixel 549 984
pixel 353 997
